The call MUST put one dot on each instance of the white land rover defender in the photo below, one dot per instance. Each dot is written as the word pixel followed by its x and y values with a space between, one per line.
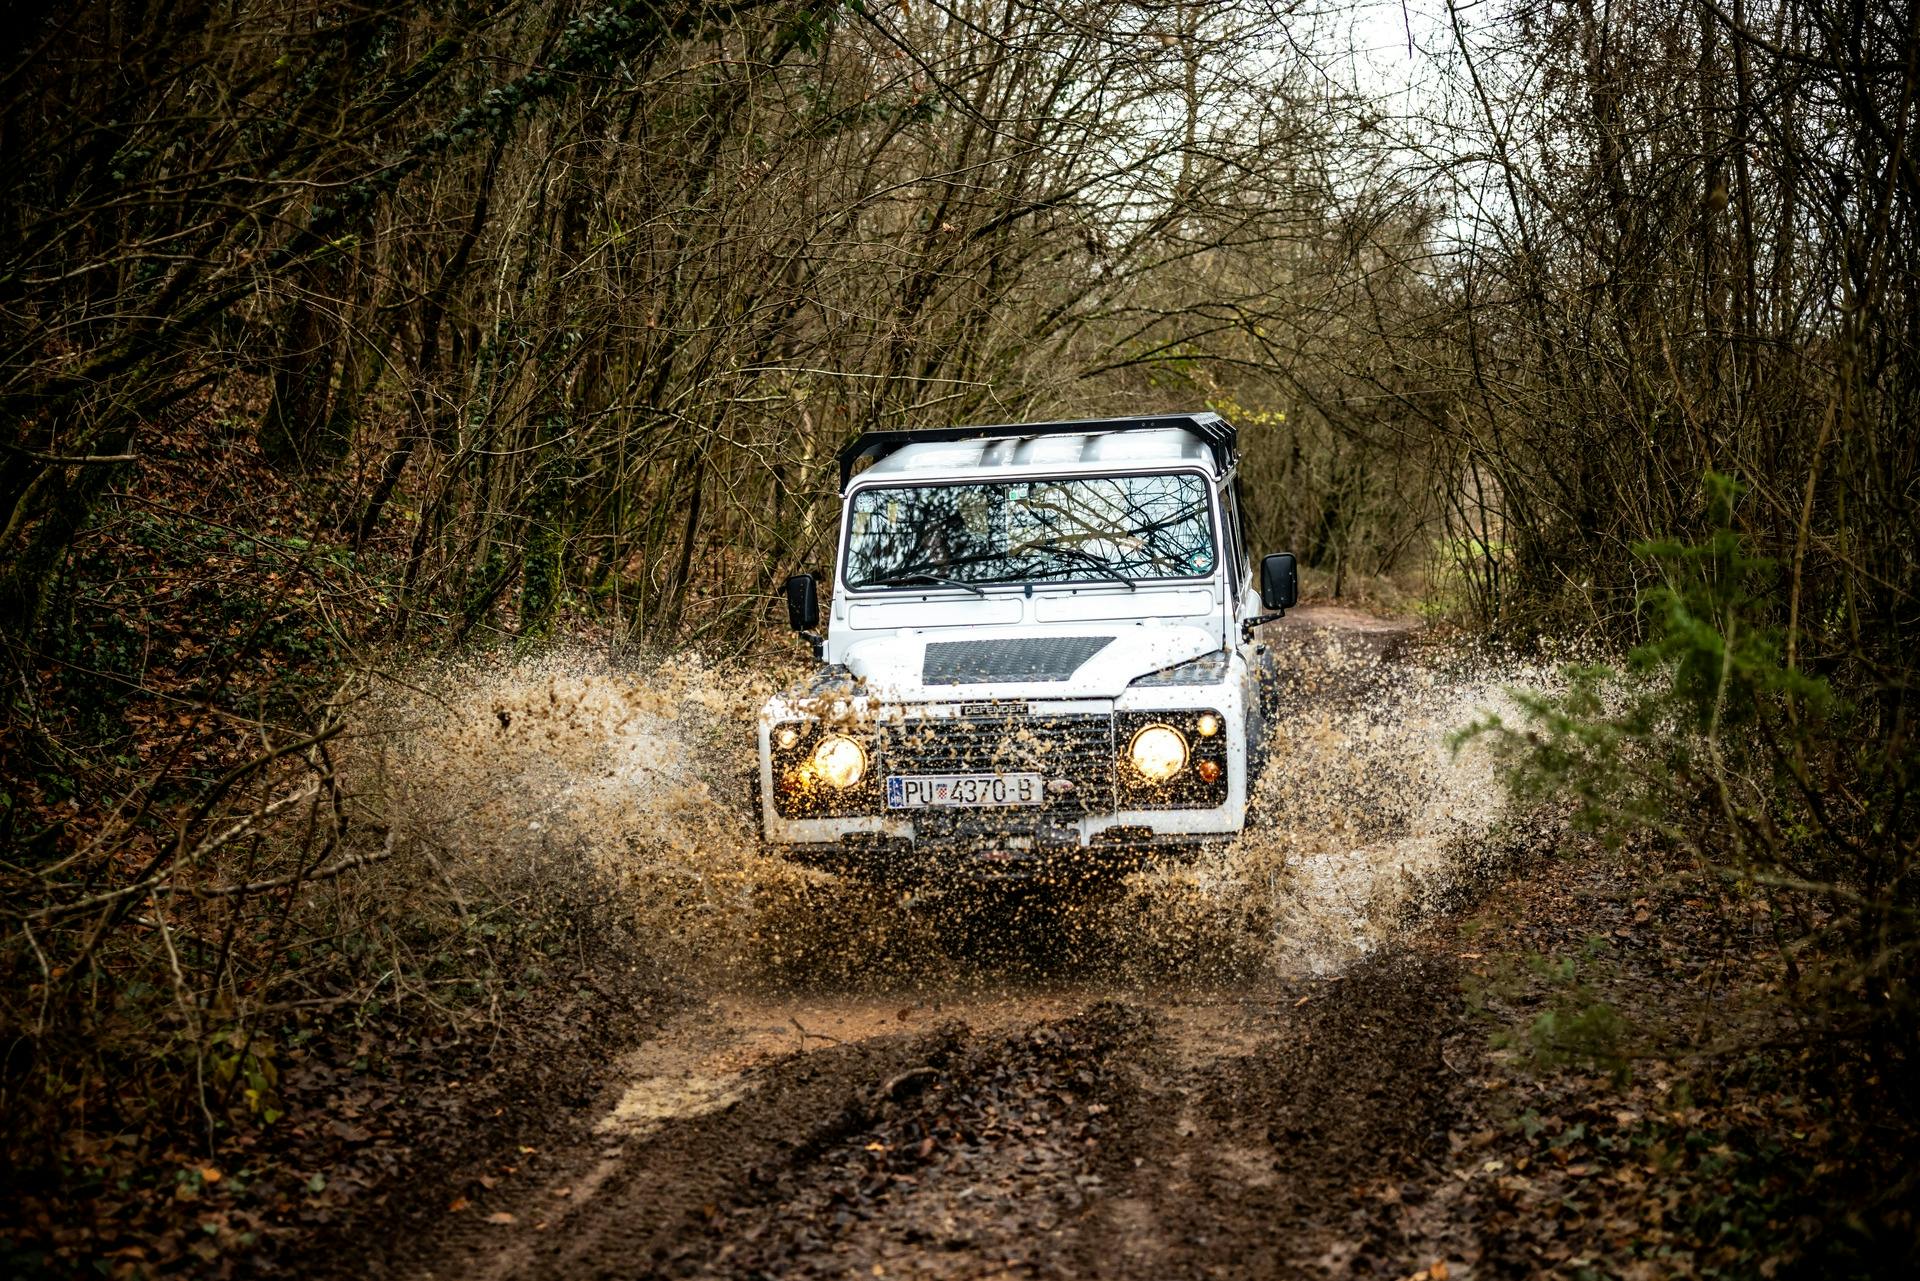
pixel 1041 656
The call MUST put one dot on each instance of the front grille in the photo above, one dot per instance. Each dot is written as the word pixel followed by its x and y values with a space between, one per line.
pixel 1076 747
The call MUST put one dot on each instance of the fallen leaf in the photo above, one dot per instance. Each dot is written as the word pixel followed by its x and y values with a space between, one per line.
pixel 210 1175
pixel 458 1204
pixel 500 1217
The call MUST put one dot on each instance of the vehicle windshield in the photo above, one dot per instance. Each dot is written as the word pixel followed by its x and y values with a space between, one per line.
pixel 1126 528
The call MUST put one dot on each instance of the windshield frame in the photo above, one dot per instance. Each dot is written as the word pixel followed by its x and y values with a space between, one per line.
pixel 1027 586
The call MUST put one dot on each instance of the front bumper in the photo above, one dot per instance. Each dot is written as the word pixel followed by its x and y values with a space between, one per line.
pixel 1100 818
pixel 997 857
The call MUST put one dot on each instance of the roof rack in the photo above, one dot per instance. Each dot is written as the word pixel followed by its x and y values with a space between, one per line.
pixel 1216 431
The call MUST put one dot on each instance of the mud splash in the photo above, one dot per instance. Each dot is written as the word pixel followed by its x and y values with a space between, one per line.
pixel 644 780
pixel 1367 817
pixel 951 1085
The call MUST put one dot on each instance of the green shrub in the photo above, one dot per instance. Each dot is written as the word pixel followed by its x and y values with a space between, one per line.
pixel 1714 740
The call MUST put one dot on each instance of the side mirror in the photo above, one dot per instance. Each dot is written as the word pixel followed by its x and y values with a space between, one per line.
pixel 803 603
pixel 1279 581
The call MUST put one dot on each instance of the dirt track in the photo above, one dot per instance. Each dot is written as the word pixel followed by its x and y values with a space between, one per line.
pixel 1064 1124
pixel 1262 1133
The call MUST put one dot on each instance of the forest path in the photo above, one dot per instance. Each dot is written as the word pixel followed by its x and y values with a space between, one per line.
pixel 1058 1133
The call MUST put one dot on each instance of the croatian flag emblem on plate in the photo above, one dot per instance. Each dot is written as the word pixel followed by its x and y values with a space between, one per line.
pixel 896 792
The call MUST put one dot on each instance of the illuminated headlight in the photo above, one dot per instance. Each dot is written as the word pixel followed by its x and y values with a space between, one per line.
pixel 1158 752
pixel 1208 725
pixel 786 736
pixel 839 761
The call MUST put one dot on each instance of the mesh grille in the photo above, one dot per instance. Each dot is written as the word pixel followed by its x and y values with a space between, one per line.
pixel 1072 747
pixel 1042 658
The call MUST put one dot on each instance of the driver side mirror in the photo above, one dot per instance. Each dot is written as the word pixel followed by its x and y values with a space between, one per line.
pixel 1279 581
pixel 803 603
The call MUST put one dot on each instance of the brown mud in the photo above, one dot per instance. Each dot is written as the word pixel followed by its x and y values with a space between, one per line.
pixel 1041 1136
pixel 1221 1069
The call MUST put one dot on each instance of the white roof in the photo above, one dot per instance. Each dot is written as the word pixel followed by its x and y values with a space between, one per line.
pixel 1092 452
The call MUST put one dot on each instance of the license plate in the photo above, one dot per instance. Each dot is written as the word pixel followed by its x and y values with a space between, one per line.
pixel 933 791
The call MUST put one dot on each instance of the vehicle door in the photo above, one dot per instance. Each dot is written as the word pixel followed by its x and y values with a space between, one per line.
pixel 1259 672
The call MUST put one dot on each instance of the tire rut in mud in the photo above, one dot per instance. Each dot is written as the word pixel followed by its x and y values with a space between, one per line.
pixel 925 1155
pixel 1267 1164
pixel 654 1205
pixel 1127 1140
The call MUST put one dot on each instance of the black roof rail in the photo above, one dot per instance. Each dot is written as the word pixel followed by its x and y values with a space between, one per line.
pixel 1216 431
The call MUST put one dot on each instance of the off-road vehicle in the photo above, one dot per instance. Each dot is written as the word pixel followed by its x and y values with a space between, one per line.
pixel 1041 654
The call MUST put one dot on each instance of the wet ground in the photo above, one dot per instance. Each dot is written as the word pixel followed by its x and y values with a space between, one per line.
pixel 1262 1132
pixel 1236 1068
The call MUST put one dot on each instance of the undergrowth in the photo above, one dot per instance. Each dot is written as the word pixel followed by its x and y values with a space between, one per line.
pixel 1793 787
pixel 214 922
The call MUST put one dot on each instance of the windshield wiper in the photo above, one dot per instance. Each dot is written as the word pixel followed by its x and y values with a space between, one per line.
pixel 1086 558
pixel 907 580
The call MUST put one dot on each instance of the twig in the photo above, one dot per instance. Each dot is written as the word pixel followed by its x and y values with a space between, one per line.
pixel 893 1084
pixel 46 973
pixel 333 869
pixel 159 884
pixel 818 1036
pixel 73 460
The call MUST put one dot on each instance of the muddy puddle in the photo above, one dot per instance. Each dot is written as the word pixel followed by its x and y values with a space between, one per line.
pixel 643 783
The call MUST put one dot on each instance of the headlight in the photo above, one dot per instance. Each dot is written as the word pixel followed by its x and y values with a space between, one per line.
pixel 1158 753
pixel 839 761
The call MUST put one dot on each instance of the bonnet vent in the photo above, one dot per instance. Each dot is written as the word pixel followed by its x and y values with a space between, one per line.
pixel 1044 658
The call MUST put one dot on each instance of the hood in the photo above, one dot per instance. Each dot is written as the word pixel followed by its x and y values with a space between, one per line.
pixel 1075 662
